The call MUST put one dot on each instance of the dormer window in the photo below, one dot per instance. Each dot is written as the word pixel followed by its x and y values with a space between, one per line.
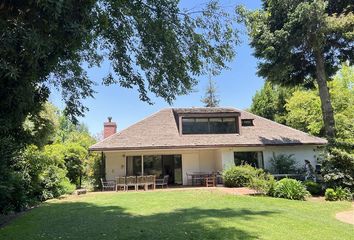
pixel 247 122
pixel 211 125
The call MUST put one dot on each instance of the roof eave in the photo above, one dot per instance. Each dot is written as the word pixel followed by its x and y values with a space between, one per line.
pixel 102 149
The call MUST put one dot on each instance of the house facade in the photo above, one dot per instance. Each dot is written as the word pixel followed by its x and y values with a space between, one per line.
pixel 178 141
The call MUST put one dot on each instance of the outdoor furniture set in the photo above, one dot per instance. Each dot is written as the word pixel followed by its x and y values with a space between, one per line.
pixel 209 179
pixel 123 183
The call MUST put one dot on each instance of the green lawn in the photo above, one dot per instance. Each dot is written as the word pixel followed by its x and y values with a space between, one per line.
pixel 179 215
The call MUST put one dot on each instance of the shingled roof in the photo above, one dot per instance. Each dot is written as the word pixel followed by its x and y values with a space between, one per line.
pixel 160 131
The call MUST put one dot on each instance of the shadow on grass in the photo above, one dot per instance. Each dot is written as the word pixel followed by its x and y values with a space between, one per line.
pixel 89 221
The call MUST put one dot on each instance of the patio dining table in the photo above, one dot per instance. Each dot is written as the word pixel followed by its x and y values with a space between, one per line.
pixel 197 178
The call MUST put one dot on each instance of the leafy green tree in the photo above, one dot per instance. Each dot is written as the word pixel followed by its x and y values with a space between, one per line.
pixel 42 128
pixel 211 99
pixel 299 41
pixel 304 107
pixel 269 102
pixel 153 46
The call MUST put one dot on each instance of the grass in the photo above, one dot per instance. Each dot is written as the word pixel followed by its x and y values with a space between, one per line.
pixel 179 215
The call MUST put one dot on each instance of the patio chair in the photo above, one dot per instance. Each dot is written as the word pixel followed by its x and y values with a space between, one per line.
pixel 141 181
pixel 131 182
pixel 162 181
pixel 108 185
pixel 150 181
pixel 210 181
pixel 189 179
pixel 120 183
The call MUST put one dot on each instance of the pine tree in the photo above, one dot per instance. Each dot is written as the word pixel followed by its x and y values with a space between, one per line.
pixel 210 98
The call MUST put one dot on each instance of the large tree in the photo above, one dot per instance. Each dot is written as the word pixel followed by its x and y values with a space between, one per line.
pixel 151 45
pixel 299 41
pixel 269 102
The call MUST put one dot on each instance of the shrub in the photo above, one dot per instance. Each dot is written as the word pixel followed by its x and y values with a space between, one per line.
pixel 248 176
pixel 338 194
pixel 282 163
pixel 290 189
pixel 313 187
pixel 55 183
pixel 338 167
pixel 262 184
pixel 330 195
pixel 239 176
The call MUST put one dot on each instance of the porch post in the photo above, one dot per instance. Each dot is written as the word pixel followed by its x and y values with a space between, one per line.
pixel 142 165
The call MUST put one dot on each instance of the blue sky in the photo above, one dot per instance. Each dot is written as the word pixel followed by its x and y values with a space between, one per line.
pixel 236 87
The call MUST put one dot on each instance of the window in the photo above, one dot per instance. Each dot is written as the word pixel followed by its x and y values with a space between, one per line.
pixel 254 159
pixel 247 122
pixel 133 166
pixel 160 165
pixel 209 125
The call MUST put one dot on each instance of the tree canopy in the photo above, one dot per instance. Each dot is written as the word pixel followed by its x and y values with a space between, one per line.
pixel 269 102
pixel 304 107
pixel 300 41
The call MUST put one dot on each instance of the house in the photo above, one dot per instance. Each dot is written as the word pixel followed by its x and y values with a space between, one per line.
pixel 177 141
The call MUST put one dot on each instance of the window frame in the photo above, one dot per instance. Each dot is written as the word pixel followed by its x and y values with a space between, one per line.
pixel 209 131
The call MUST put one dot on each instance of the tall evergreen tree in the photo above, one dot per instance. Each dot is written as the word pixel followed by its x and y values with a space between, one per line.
pixel 300 41
pixel 211 99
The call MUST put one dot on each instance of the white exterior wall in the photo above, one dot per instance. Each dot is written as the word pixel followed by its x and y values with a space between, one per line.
pixel 300 154
pixel 209 160
pixel 115 165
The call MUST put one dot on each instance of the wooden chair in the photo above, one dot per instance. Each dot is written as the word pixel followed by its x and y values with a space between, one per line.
pixel 120 183
pixel 150 181
pixel 130 181
pixel 162 181
pixel 210 181
pixel 141 182
pixel 108 185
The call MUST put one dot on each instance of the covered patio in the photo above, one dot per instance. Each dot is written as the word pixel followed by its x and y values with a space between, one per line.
pixel 191 167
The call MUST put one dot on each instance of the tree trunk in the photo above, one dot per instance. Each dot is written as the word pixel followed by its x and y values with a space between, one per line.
pixel 326 105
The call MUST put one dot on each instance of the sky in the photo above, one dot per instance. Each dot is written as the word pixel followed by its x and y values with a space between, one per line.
pixel 235 86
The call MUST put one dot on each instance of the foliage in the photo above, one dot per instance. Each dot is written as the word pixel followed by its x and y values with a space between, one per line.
pixel 338 168
pixel 330 194
pixel 338 194
pixel 54 169
pixel 153 46
pixel 36 177
pixel 282 35
pixel 282 163
pixel 263 183
pixel 269 102
pixel 290 189
pixel 304 107
pixel 211 99
pixel 313 187
pixel 248 176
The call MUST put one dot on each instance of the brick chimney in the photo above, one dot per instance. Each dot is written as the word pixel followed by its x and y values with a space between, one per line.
pixel 109 128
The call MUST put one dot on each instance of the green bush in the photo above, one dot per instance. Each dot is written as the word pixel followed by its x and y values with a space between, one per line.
pixel 290 189
pixel 338 194
pixel 282 163
pixel 238 176
pixel 338 167
pixel 248 176
pixel 330 195
pixel 263 184
pixel 313 187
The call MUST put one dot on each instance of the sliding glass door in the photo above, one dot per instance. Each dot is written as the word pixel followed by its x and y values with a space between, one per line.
pixel 134 166
pixel 158 165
